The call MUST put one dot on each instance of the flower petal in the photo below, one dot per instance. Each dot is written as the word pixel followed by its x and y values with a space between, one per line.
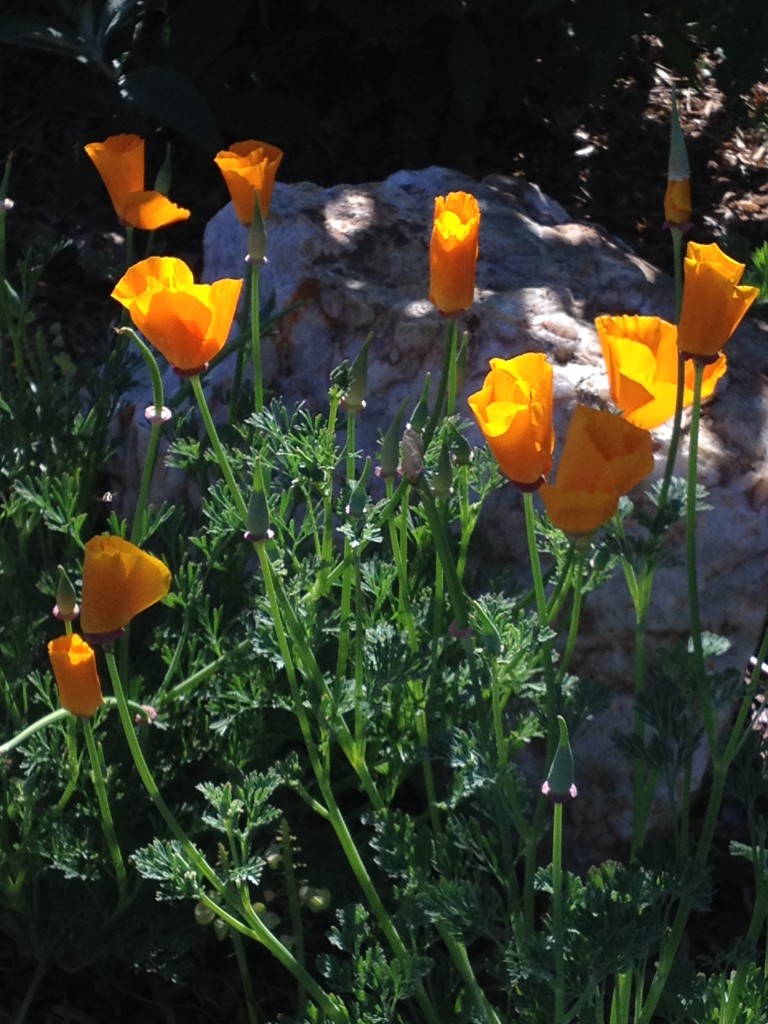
pixel 119 581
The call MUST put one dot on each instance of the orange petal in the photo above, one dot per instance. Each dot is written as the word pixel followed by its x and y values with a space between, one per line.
pixel 74 667
pixel 120 162
pixel 247 167
pixel 713 301
pixel 119 581
pixel 453 252
pixel 151 210
pixel 514 411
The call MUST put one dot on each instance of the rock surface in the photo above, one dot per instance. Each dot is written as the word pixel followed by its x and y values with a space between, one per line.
pixel 355 260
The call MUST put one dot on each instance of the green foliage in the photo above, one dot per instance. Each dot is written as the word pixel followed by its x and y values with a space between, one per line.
pixel 757 273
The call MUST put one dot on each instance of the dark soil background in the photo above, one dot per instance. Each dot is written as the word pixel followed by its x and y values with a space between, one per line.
pixel 602 157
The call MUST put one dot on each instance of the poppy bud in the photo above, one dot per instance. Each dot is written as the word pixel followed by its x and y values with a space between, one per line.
pixel 66 608
pixel 443 478
pixel 559 785
pixel 390 446
pixel 412 463
pixel 354 398
pixel 359 495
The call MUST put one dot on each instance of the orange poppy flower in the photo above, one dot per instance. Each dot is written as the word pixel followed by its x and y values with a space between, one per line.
pixel 453 252
pixel 713 301
pixel 641 355
pixel 514 411
pixel 120 162
pixel 74 668
pixel 247 166
pixel 603 458
pixel 189 323
pixel 119 581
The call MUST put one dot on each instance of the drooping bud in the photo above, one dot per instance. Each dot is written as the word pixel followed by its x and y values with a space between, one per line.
pixel 559 786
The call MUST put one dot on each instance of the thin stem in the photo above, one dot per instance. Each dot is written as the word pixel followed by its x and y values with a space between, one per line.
pixel 30 730
pixel 107 821
pixel 294 908
pixel 557 911
pixel 258 383
pixel 461 961
pixel 221 458
pixel 573 627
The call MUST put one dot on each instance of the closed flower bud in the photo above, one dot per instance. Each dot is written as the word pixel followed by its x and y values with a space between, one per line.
pixel 442 479
pixel 389 455
pixel 677 198
pixel 514 411
pixel 453 252
pixel 354 397
pixel 359 495
pixel 66 608
pixel 559 785
pixel 74 667
pixel 412 461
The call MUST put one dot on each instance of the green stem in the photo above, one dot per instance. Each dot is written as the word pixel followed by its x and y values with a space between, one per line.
pixel 399 543
pixel 245 976
pixel 691 557
pixel 334 815
pixel 460 958
pixel 573 627
pixel 345 610
pixel 30 730
pixel 107 821
pixel 448 372
pixel 498 724
pixel 74 763
pixel 294 907
pixel 138 530
pixel 221 458
pixel 258 381
pixel 557 911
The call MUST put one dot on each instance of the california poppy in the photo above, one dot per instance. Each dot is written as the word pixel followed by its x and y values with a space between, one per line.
pixel 120 162
pixel 187 322
pixel 603 458
pixel 713 301
pixel 453 252
pixel 74 668
pixel 119 581
pixel 514 411
pixel 641 355
pixel 677 198
pixel 249 167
